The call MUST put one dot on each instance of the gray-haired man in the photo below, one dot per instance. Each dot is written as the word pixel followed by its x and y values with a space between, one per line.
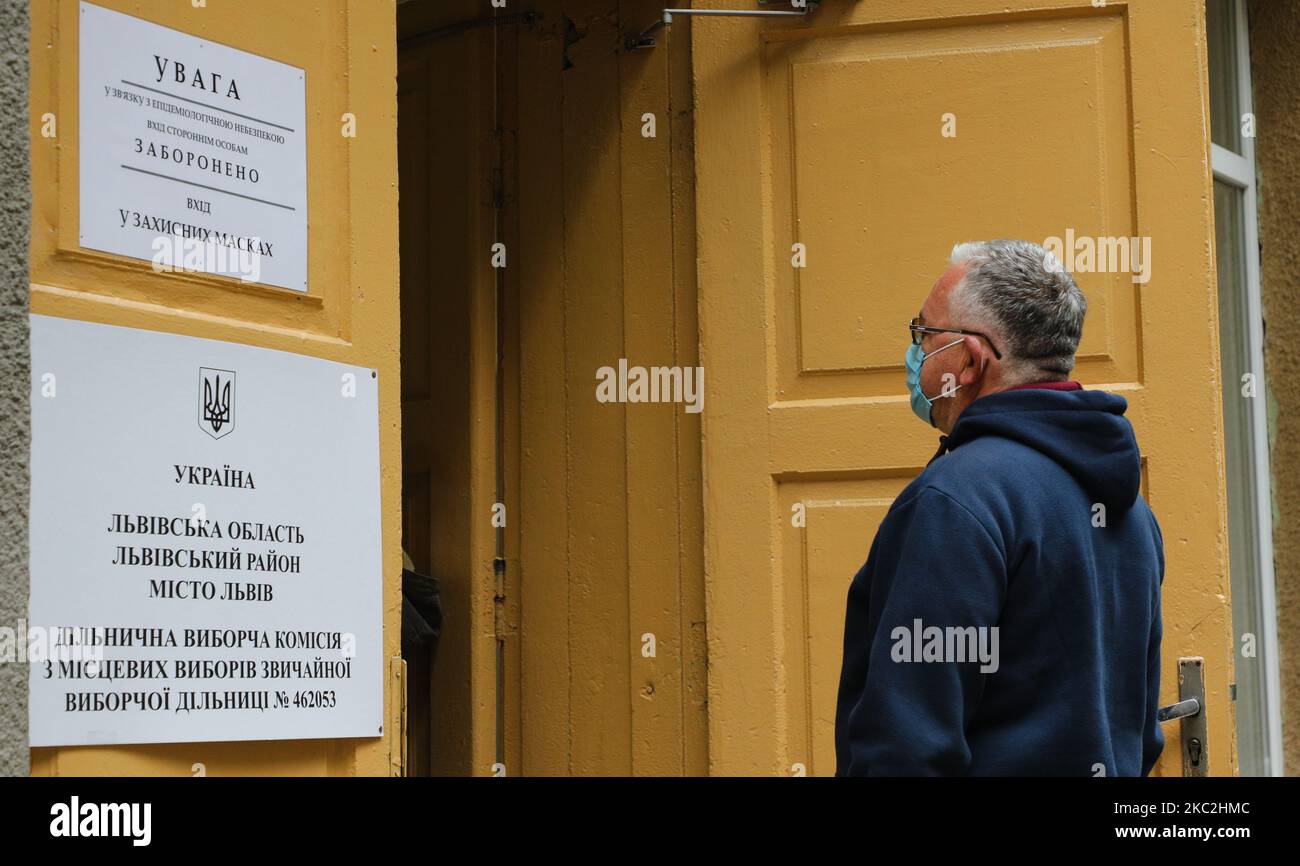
pixel 1007 619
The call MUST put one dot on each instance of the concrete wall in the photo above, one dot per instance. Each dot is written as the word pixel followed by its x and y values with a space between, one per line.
pixel 15 358
pixel 1274 33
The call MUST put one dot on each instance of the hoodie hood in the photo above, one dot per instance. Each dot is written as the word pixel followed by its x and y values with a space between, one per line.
pixel 1083 431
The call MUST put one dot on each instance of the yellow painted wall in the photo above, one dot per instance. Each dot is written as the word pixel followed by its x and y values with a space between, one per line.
pixel 347 49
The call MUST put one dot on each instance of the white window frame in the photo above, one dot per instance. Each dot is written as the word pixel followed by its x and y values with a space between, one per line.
pixel 1238 170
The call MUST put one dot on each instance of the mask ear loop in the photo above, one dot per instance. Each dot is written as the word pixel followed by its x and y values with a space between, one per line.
pixel 985 368
pixel 941 393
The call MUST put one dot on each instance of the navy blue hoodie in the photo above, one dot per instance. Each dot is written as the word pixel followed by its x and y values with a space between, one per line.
pixel 1031 523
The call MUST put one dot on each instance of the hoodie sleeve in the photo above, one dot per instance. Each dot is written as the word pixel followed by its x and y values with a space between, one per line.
pixel 948 571
pixel 1153 739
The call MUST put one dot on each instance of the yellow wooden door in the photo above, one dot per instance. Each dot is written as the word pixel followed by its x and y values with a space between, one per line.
pixel 878 134
pixel 349 314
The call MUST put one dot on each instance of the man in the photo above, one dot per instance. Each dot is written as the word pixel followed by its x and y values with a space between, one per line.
pixel 1007 619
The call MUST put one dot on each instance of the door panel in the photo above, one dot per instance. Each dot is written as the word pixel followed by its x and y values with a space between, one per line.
pixel 350 313
pixel 828 131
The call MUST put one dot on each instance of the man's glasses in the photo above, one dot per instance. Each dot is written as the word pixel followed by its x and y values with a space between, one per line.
pixel 916 330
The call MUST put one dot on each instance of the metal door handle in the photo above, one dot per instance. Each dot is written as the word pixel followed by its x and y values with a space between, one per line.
pixel 1190 713
pixel 1181 710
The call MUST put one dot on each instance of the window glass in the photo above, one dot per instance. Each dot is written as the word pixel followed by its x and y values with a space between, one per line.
pixel 1239 393
pixel 1225 108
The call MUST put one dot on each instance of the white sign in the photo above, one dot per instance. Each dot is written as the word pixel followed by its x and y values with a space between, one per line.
pixel 205 541
pixel 193 155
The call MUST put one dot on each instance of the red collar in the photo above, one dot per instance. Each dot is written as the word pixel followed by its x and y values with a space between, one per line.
pixel 1051 386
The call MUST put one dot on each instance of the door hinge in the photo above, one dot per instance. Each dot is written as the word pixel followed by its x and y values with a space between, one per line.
pixel 500 626
pixel 397 716
pixel 1190 714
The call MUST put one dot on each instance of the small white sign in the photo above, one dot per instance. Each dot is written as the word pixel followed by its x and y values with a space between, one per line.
pixel 192 154
pixel 205 541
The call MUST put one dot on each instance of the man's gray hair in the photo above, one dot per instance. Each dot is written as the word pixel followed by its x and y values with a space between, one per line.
pixel 1019 293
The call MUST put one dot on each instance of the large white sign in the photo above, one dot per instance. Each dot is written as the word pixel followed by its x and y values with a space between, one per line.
pixel 205 541
pixel 192 154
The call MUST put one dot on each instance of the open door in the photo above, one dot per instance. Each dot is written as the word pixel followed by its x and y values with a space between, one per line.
pixel 878 134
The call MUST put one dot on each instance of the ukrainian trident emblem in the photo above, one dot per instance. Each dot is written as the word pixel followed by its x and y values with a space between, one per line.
pixel 216 401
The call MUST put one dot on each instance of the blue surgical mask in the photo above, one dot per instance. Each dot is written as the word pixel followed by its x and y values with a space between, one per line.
pixel 921 404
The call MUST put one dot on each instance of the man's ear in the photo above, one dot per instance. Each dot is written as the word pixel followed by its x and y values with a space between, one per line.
pixel 976 361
